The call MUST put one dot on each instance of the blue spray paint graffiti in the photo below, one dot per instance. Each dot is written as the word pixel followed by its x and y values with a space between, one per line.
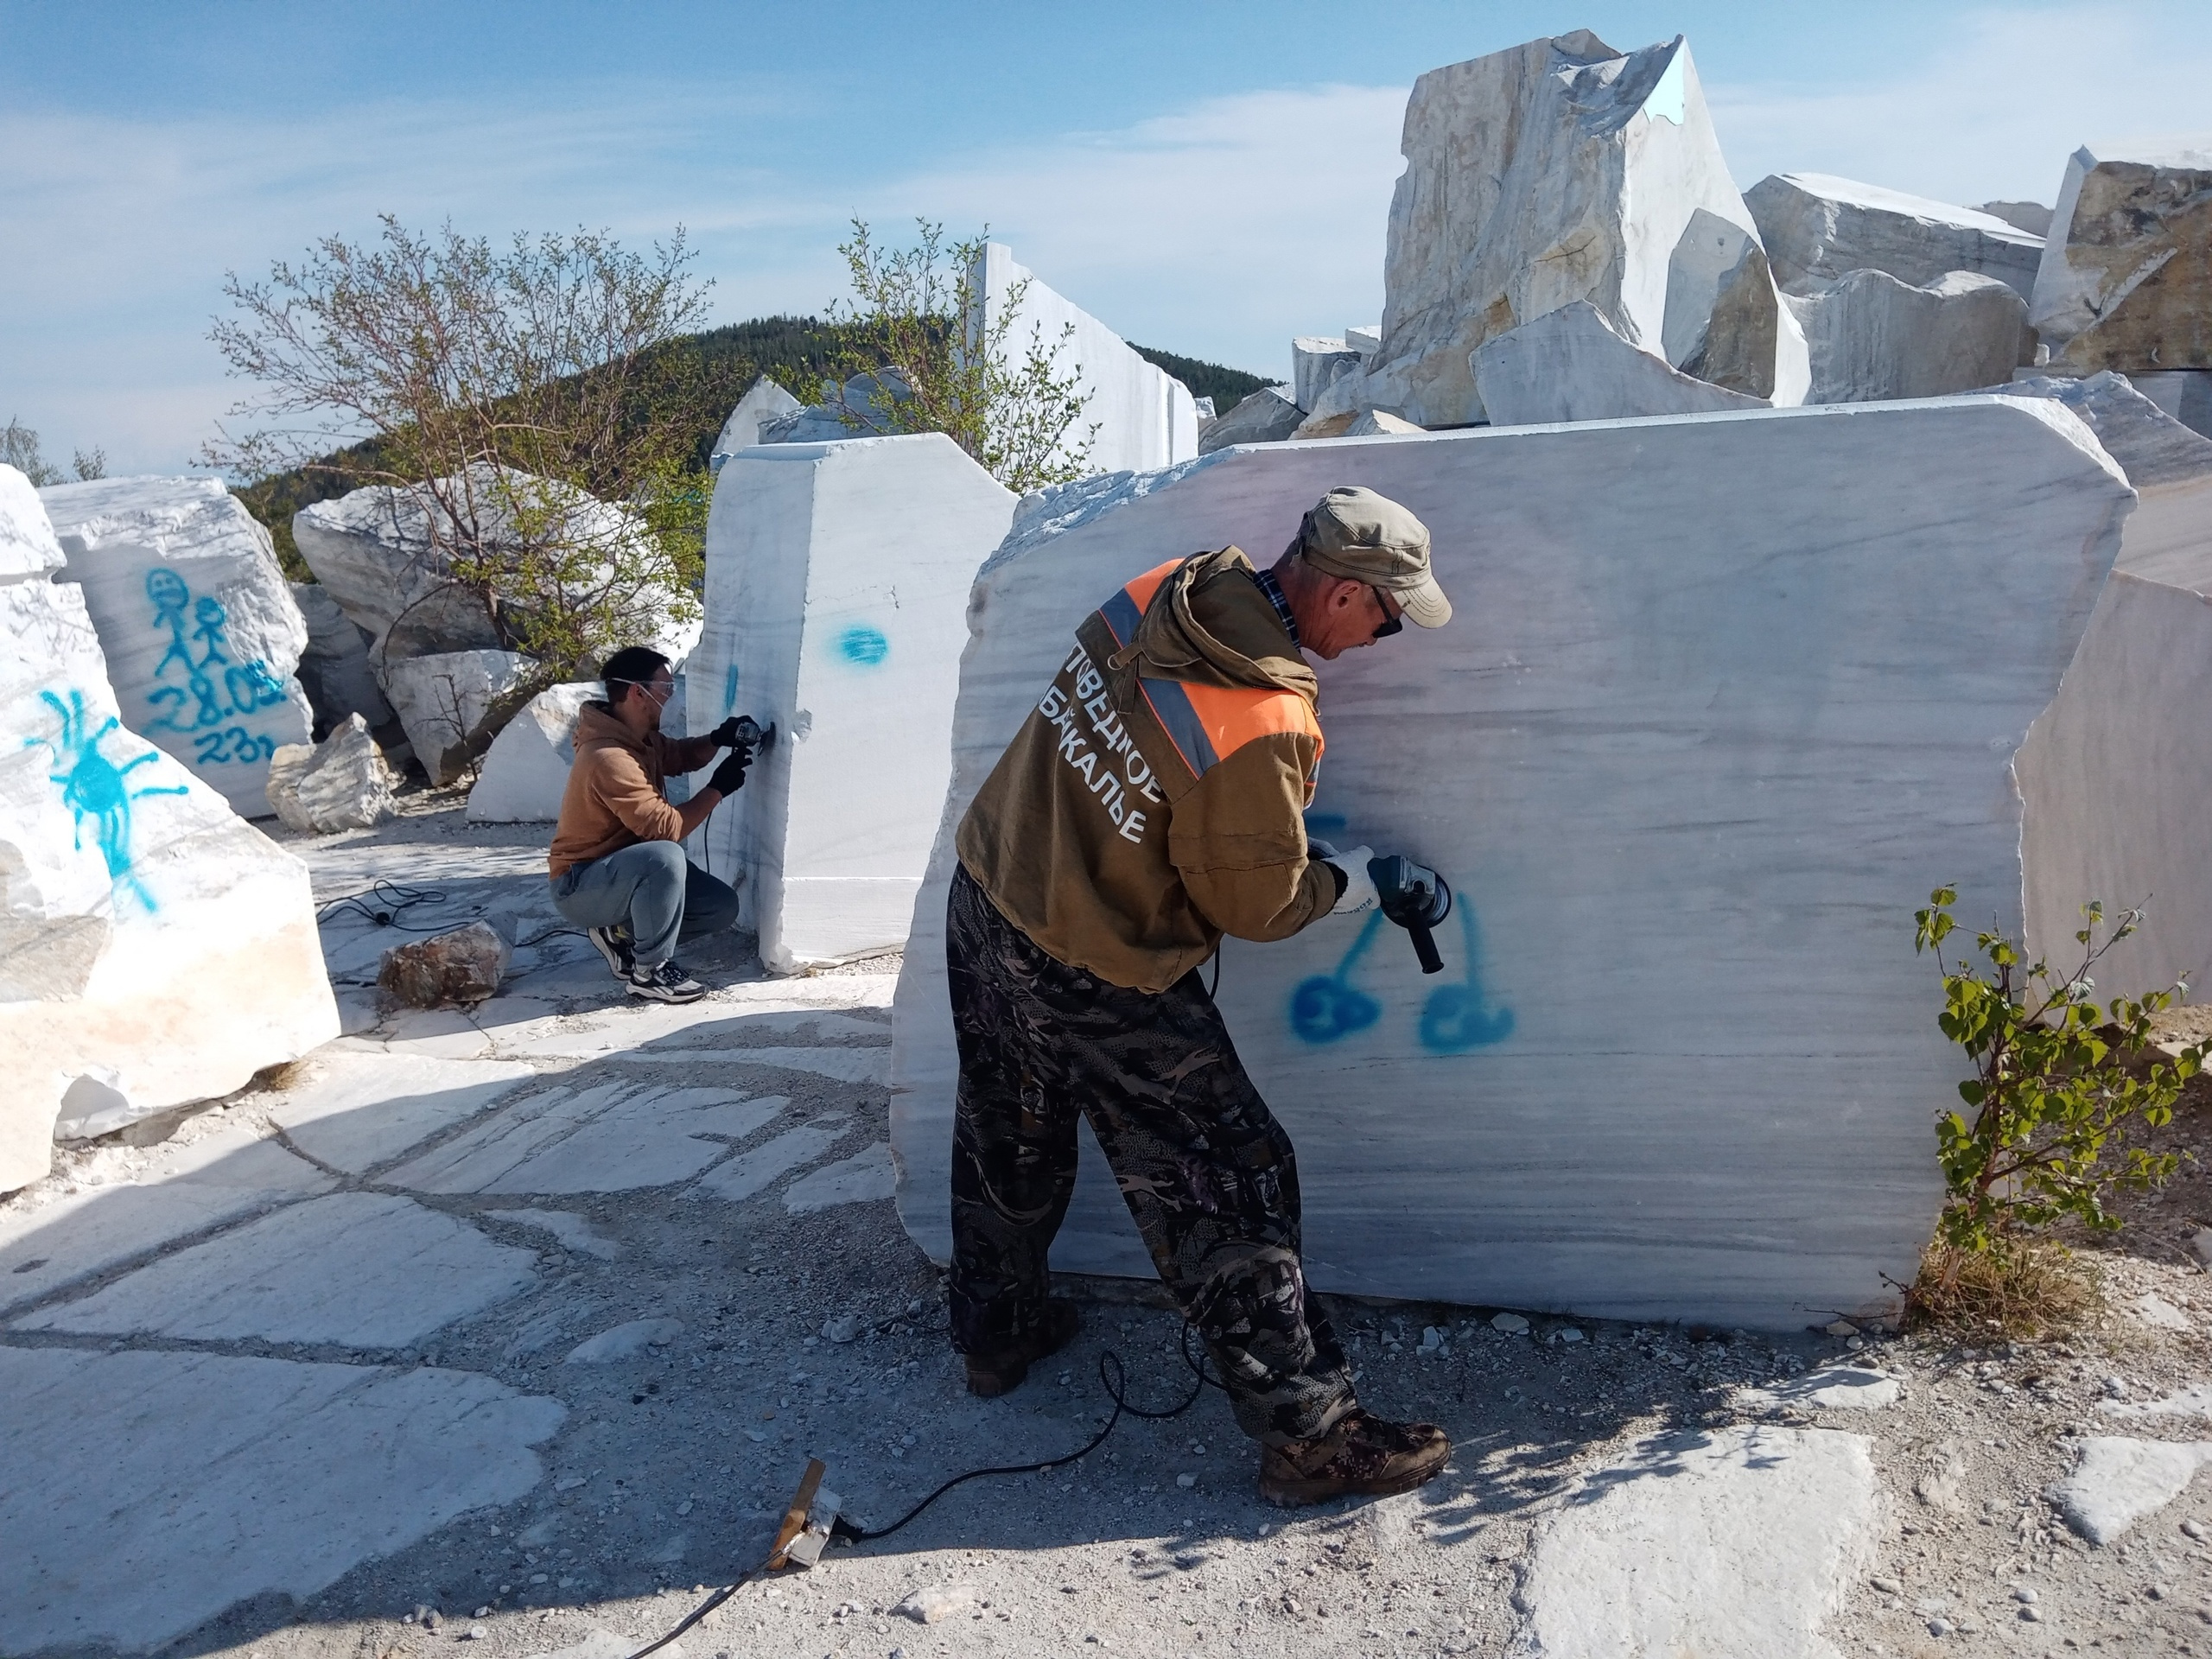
pixel 863 646
pixel 1327 1008
pixel 206 699
pixel 729 690
pixel 94 787
pixel 1455 1019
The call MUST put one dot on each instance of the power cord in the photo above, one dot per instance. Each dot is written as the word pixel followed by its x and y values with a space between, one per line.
pixel 383 905
pixel 1111 1378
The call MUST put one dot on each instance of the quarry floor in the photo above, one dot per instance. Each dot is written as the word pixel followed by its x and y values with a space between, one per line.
pixel 515 1330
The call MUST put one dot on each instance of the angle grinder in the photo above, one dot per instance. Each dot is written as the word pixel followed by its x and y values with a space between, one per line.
pixel 1417 899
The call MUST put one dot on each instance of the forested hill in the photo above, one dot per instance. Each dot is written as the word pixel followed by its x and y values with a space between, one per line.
pixel 795 351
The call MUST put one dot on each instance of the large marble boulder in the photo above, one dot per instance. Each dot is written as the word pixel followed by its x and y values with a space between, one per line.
pixel 340 783
pixel 1818 229
pixel 1315 363
pixel 2112 773
pixel 1144 417
pixel 155 948
pixel 1872 336
pixel 1557 171
pixel 1569 364
pixel 2125 281
pixel 1723 697
pixel 837 580
pixel 335 669
pixel 526 772
pixel 765 400
pixel 373 551
pixel 1268 416
pixel 197 623
pixel 453 704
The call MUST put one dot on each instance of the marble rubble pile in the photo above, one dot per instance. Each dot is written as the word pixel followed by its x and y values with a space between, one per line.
pixel 199 629
pixel 838 589
pixel 155 948
pixel 1556 172
pixel 341 783
pixel 525 771
pixel 1688 751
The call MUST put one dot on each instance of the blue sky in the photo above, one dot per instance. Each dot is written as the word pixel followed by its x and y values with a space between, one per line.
pixel 1208 178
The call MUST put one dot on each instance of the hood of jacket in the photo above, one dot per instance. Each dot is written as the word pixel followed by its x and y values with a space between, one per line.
pixel 598 728
pixel 1208 624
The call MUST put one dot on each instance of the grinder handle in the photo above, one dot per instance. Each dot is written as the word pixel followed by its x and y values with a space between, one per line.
pixel 1425 948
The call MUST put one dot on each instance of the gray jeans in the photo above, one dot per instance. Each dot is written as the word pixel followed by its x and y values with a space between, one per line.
pixel 652 890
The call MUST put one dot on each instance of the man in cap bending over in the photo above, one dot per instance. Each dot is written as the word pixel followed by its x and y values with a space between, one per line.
pixel 1152 802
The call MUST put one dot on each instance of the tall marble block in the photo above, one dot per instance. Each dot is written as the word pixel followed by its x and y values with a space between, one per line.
pixel 837 579
pixel 1563 170
pixel 1819 229
pixel 199 629
pixel 2125 281
pixel 155 948
pixel 1145 416
pixel 1690 754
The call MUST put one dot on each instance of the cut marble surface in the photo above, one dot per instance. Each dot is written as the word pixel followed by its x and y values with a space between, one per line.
pixel 609 1137
pixel 1870 337
pixel 1819 228
pixel 1571 364
pixel 861 1178
pixel 1834 1388
pixel 145 1492
pixel 220 1177
pixel 1672 721
pixel 1656 1555
pixel 717 1020
pixel 2119 1481
pixel 575 1232
pixel 357 1110
pixel 525 771
pixel 858 1065
pixel 2195 1400
pixel 837 578
pixel 2153 447
pixel 362 1269
pixel 749 1172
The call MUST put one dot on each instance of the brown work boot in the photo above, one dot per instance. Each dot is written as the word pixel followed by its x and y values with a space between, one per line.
pixel 1361 1457
pixel 1002 1369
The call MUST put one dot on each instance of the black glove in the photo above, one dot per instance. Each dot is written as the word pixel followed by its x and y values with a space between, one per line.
pixel 729 777
pixel 725 735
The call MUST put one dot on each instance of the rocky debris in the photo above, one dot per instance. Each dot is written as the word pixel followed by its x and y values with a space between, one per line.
pixel 340 783
pixel 197 624
pixel 2030 216
pixel 1572 364
pixel 1268 416
pixel 1655 1556
pixel 933 1604
pixel 765 400
pixel 2125 281
pixel 526 772
pixel 1563 170
pixel 1940 1472
pixel 158 950
pixel 446 969
pixel 1871 336
pixel 1511 1324
pixel 1818 229
pixel 2195 1400
pixel 2156 1311
pixel 453 704
pixel 2119 1481
pixel 2152 447
pixel 334 670
pixel 624 1342
pixel 1314 365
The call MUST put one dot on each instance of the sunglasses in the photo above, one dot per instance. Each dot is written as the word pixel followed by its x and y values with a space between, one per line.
pixel 1392 622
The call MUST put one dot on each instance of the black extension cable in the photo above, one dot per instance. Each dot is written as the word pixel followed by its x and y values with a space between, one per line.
pixel 1111 1378
pixel 383 903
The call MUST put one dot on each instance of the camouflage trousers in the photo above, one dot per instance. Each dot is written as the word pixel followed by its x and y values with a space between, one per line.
pixel 1206 1171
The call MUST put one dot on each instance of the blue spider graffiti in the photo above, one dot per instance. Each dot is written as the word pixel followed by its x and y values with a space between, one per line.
pixel 95 787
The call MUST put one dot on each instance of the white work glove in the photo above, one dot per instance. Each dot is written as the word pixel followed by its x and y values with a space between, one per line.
pixel 1359 887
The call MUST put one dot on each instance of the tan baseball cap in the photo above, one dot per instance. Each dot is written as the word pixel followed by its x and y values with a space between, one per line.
pixel 1360 536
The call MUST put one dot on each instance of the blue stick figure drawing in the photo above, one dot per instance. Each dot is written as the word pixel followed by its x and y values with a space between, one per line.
pixel 167 590
pixel 95 787
pixel 1455 1019
pixel 1328 1006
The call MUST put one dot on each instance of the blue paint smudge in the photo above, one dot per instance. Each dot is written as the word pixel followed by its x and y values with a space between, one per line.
pixel 729 691
pixel 1455 1019
pixel 863 646
pixel 1329 1006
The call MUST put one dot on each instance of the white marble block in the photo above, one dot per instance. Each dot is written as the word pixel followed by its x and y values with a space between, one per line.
pixel 1268 416
pixel 1315 363
pixel 199 629
pixel 1711 718
pixel 450 702
pixel 2185 394
pixel 1563 170
pixel 766 400
pixel 1872 337
pixel 155 948
pixel 1819 228
pixel 2113 774
pixel 1569 364
pixel 525 771
pixel 2125 281
pixel 837 579
pixel 1145 416
pixel 340 783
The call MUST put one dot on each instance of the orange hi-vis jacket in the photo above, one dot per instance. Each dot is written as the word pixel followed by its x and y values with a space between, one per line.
pixel 1154 799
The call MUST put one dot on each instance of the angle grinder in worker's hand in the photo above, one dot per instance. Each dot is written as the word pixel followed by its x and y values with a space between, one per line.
pixel 1417 899
pixel 743 732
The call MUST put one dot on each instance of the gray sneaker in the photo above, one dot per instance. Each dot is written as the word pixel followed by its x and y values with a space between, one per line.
pixel 615 947
pixel 665 982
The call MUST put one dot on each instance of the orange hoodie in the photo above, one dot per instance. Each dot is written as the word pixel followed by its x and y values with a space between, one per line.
pixel 613 798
